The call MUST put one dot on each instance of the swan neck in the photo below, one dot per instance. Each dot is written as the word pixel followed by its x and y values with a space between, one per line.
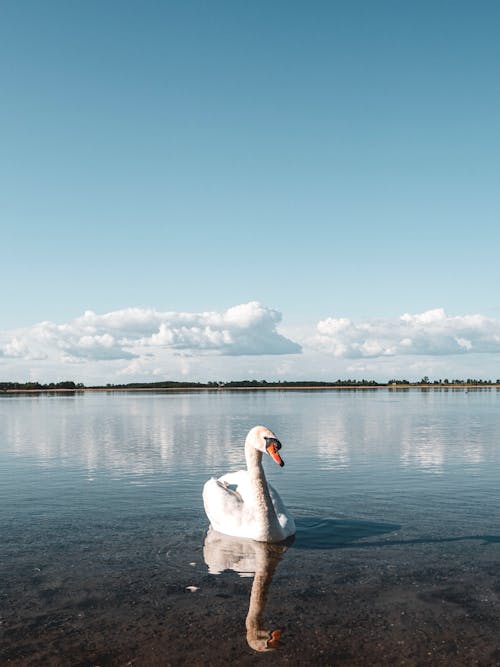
pixel 260 491
pixel 256 471
pixel 254 461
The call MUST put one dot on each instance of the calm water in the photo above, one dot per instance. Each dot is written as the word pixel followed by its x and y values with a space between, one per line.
pixel 119 476
pixel 398 456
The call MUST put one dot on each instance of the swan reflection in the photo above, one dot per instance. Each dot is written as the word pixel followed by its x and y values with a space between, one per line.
pixel 249 559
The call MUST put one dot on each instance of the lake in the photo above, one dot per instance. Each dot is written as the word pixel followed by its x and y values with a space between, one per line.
pixel 105 557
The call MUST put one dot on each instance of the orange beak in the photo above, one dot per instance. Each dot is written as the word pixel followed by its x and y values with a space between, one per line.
pixel 272 450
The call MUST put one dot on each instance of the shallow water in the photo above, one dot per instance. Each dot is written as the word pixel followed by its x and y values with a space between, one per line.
pixel 395 560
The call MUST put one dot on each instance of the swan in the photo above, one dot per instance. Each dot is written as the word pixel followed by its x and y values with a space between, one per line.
pixel 243 504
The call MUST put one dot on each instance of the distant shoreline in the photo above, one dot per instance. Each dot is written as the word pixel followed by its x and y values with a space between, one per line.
pixel 284 387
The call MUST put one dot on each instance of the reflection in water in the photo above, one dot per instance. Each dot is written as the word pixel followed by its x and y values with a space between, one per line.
pixel 333 447
pixel 373 456
pixel 247 558
pixel 130 434
pixel 426 454
pixel 124 434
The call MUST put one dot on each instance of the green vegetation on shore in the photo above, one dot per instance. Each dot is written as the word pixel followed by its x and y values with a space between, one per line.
pixel 36 386
pixel 69 385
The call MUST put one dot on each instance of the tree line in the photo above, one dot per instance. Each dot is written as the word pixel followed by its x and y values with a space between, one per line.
pixel 69 385
pixel 426 381
pixel 33 386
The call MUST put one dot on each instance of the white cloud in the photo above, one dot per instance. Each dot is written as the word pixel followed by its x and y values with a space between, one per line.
pixel 16 348
pixel 133 333
pixel 139 344
pixel 430 333
pixel 249 328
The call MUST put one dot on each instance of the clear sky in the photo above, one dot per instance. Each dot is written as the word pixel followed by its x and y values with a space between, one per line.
pixel 336 162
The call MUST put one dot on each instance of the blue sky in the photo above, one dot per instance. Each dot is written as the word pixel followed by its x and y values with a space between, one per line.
pixel 331 161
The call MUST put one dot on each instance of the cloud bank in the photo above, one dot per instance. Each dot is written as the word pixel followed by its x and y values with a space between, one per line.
pixel 135 344
pixel 246 329
pixel 430 333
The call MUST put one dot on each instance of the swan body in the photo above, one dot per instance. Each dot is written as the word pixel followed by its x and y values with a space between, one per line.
pixel 243 503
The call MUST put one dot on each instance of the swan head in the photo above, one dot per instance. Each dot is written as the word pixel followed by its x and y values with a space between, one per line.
pixel 264 440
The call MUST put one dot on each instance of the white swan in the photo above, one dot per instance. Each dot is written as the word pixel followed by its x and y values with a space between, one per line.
pixel 243 504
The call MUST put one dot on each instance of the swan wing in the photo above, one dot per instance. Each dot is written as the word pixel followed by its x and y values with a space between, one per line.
pixel 285 519
pixel 223 502
pixel 239 482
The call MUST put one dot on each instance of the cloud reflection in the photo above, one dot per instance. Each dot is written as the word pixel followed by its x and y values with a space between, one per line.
pixel 333 437
pixel 122 434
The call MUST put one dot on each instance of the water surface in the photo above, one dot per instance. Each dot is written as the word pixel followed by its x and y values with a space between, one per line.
pixel 395 493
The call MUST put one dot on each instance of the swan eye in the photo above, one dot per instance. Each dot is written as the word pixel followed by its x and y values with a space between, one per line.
pixel 272 441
